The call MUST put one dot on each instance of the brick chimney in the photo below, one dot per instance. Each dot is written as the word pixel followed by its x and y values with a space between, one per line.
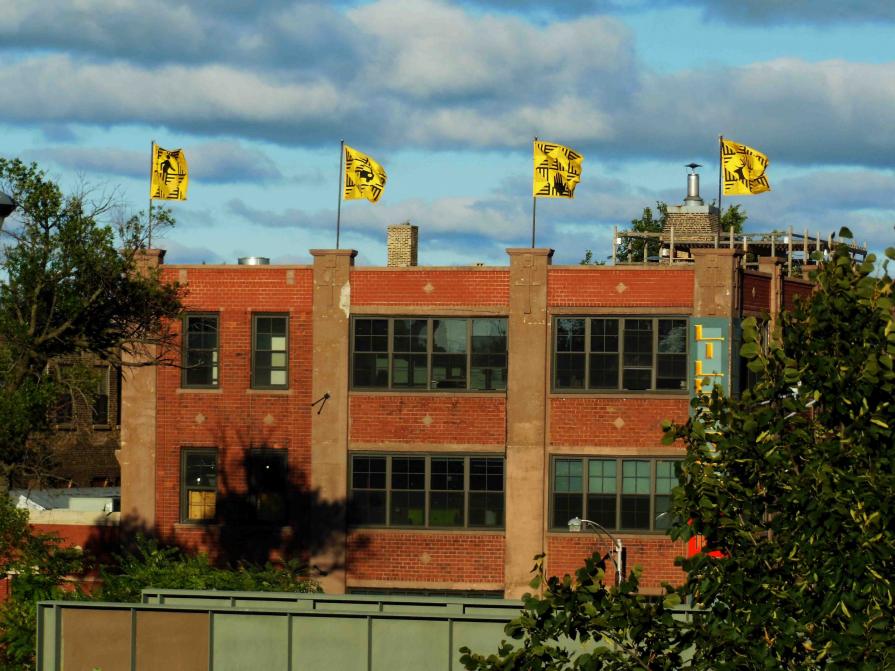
pixel 693 221
pixel 403 240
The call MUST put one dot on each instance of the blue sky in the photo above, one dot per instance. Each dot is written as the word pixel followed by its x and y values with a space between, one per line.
pixel 447 96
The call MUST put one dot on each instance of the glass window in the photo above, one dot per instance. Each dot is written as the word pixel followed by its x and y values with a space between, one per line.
pixel 270 352
pixel 370 363
pixel 368 490
pixel 267 471
pixel 427 491
pixel 200 351
pixel 430 353
pixel 619 494
pixel 198 485
pixel 620 354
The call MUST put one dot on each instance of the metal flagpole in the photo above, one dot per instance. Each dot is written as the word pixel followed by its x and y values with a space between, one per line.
pixel 720 169
pixel 534 205
pixel 149 216
pixel 341 176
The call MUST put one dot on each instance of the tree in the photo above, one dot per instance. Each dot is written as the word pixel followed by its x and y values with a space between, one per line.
pixel 68 286
pixel 793 483
pixel 632 248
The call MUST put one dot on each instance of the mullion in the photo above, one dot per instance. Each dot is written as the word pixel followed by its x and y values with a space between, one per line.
pixel 587 355
pixel 621 354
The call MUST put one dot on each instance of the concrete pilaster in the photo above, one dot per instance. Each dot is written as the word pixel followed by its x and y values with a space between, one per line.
pixel 527 388
pixel 329 426
pixel 137 454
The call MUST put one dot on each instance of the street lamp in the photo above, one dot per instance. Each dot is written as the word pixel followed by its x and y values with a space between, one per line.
pixel 577 525
pixel 7 205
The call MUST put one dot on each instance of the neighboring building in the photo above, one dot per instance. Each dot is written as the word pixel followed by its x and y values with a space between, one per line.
pixel 433 428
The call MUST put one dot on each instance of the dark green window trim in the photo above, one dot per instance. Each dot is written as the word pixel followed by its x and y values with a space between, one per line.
pixel 427 491
pixel 609 354
pixel 624 494
pixel 429 353
pixel 270 351
pixel 201 350
pixel 198 484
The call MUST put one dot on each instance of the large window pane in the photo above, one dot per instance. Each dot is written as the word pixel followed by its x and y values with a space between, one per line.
pixel 568 483
pixel 635 512
pixel 408 498
pixel 601 491
pixel 449 353
pixel 200 351
pixel 666 481
pixel 198 493
pixel 368 490
pixel 671 360
pixel 485 492
pixel 638 357
pixel 488 365
pixel 446 497
pixel 270 352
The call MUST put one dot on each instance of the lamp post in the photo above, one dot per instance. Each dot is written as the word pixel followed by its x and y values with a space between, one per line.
pixel 7 205
pixel 577 525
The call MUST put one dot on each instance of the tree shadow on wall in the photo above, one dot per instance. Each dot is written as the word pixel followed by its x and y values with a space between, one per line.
pixel 264 509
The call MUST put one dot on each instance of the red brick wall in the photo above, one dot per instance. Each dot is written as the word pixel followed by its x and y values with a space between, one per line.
pixel 622 422
pixel 597 287
pixel 231 418
pixel 433 418
pixel 655 554
pixel 433 287
pixel 793 288
pixel 425 557
pixel 756 292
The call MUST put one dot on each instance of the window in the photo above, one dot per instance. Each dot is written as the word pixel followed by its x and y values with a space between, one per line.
pixel 427 491
pixel 200 351
pixel 198 484
pixel 617 493
pixel 85 394
pixel 429 354
pixel 267 475
pixel 270 352
pixel 620 354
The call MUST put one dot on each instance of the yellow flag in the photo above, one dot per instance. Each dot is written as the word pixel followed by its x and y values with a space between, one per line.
pixel 364 177
pixel 557 170
pixel 744 169
pixel 170 174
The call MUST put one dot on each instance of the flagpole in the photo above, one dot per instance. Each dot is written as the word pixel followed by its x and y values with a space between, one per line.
pixel 149 216
pixel 534 206
pixel 720 169
pixel 341 175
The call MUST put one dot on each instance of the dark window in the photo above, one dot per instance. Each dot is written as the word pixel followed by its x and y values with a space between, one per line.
pixel 270 352
pixel 427 491
pixel 620 354
pixel 84 395
pixel 200 351
pixel 617 493
pixel 429 353
pixel 267 474
pixel 198 484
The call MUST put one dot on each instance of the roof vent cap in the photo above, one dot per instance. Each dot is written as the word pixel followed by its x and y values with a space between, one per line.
pixel 254 261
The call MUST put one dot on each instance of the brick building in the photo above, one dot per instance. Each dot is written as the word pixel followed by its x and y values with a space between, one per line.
pixel 433 428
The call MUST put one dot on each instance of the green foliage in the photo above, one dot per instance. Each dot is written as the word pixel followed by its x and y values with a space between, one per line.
pixel 733 217
pixel 70 286
pixel 793 484
pixel 39 566
pixel 153 565
pixel 589 260
pixel 632 248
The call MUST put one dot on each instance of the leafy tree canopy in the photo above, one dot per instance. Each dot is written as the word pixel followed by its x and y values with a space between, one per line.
pixel 793 483
pixel 68 285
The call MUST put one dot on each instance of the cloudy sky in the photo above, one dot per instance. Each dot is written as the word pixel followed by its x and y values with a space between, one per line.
pixel 448 96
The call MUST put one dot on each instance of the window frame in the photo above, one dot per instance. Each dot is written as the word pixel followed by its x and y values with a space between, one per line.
pixel 185 489
pixel 588 354
pixel 429 354
pixel 428 490
pixel 254 345
pixel 255 491
pixel 216 364
pixel 619 460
